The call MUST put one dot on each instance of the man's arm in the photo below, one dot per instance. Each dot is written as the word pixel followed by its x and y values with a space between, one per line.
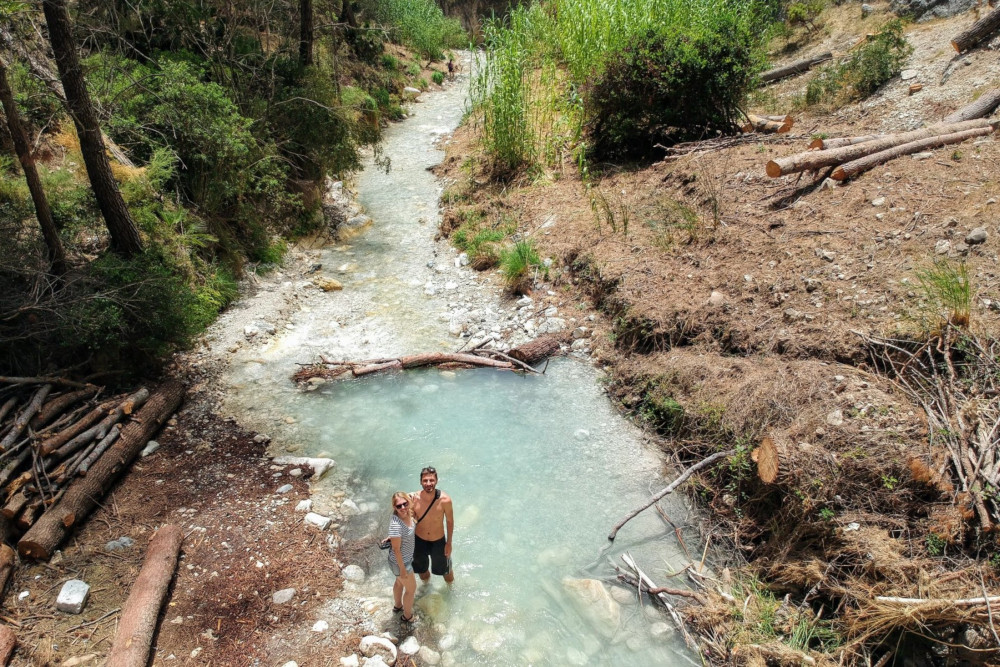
pixel 449 517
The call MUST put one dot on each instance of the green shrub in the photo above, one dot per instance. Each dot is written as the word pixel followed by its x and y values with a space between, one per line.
pixel 804 12
pixel 437 77
pixel 869 68
pixel 419 24
pixel 671 85
pixel 662 411
pixel 390 62
pixel 516 262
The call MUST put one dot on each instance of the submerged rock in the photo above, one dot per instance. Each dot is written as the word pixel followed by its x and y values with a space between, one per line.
pixel 594 604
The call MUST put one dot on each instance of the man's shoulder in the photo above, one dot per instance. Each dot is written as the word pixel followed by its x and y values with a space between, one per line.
pixel 445 498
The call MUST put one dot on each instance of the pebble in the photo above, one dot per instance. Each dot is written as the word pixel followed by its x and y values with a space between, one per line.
pixel 428 656
pixel 371 646
pixel 942 247
pixel 716 299
pixel 283 596
pixel 295 472
pixel 835 418
pixel 410 646
pixel 350 661
pixel 878 201
pixel 73 596
pixel 318 520
pixel 23 595
pixel 150 447
pixel 320 626
pixel 304 505
pixel 908 74
pixel 826 254
pixel 284 488
pixel 977 236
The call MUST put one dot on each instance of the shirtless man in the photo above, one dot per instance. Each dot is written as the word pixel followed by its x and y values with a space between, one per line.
pixel 433 546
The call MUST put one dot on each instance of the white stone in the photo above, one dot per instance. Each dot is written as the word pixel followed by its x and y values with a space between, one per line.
pixel 942 247
pixel 411 90
pixel 304 505
pixel 835 418
pixel 319 465
pixel 594 604
pixel 716 299
pixel 659 628
pixel 524 301
pixel 350 661
pixel 284 488
pixel 410 646
pixel 283 596
pixel 23 595
pixel 73 596
pixel 295 472
pixel 371 646
pixel 320 626
pixel 908 74
pixel 318 520
pixel 581 434
pixel 350 507
pixel 428 656
pixel 150 447
pixel 580 332
pixel 580 345
pixel 374 661
pixel 290 663
pixel 353 573
pixel 487 641
pixel 447 642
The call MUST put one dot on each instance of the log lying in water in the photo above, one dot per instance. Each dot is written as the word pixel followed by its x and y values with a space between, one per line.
pixel 977 32
pixel 981 108
pixel 791 69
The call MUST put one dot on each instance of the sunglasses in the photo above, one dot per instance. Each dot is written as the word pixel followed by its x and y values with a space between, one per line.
pixel 402 505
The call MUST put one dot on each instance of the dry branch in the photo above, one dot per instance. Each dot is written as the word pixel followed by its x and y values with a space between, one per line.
pixel 785 71
pixel 811 160
pixel 965 602
pixel 25 416
pixel 861 165
pixel 981 108
pixel 81 496
pixel 669 489
pixel 58 405
pixel 7 407
pixel 977 32
pixel 139 615
pixel 53 443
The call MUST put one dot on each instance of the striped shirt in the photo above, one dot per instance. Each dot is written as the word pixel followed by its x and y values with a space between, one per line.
pixel 397 528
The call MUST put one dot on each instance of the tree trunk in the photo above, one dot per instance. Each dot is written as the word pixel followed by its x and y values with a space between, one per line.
pixel 811 160
pixel 83 493
pixel 139 615
pixel 768 124
pixel 124 235
pixel 536 350
pixel 977 32
pixel 798 66
pixel 840 142
pixel 26 414
pixel 306 35
pixel 8 642
pixel 347 13
pixel 860 165
pixel 981 108
pixel 57 256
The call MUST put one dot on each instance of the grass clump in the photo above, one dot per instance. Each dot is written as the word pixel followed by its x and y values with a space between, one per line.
pixel 947 290
pixel 437 77
pixel 516 264
pixel 869 68
pixel 419 24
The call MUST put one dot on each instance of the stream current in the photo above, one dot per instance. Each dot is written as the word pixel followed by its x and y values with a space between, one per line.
pixel 539 467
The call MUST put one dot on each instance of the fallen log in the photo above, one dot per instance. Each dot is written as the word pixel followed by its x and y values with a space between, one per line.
pixel 982 107
pixel 25 416
pixel 14 504
pixel 7 407
pixel 840 142
pixel 977 32
pixel 8 642
pixel 81 496
pixel 8 379
pixel 29 515
pixel 860 165
pixel 53 443
pixel 669 489
pixel 768 124
pixel 57 405
pixel 797 67
pixel 812 160
pixel 139 615
pixel 536 350
pixel 101 430
pixel 101 447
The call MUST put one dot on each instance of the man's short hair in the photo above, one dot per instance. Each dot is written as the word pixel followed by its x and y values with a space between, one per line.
pixel 429 470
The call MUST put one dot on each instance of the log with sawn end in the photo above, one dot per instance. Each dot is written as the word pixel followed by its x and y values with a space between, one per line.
pixel 56 441
pixel 25 416
pixel 767 124
pixel 867 162
pixel 791 69
pixel 984 105
pixel 840 142
pixel 977 32
pixel 83 493
pixel 812 160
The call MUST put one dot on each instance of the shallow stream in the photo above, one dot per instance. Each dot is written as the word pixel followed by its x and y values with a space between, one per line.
pixel 539 468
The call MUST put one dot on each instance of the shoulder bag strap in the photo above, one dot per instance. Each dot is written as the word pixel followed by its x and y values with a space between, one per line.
pixel 437 494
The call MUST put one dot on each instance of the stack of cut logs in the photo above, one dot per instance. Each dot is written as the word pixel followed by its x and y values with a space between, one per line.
pixel 850 156
pixel 62 444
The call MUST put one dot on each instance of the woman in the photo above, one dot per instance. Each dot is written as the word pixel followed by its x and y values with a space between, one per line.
pixel 401 529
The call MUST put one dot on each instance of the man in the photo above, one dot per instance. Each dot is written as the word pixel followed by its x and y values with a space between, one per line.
pixel 433 510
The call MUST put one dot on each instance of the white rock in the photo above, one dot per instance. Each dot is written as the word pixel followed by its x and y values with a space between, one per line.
pixel 150 447
pixel 374 661
pixel 73 596
pixel 579 345
pixel 318 520
pixel 447 642
pixel 320 626
pixel 659 628
pixel 716 299
pixel 835 418
pixel 581 434
pixel 290 663
pixel 350 661
pixel 353 573
pixel 284 488
pixel 283 596
pixel 463 259
pixel 23 595
pixel 579 332
pixel 319 465
pixel 908 74
pixel 304 506
pixel 428 656
pixel 250 331
pixel 487 641
pixel 371 646
pixel 350 508
pixel 410 646
pixel 411 90
pixel 595 604
pixel 942 247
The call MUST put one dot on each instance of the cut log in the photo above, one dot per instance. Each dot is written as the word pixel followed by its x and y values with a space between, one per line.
pixel 7 407
pixel 840 142
pixel 799 66
pixel 767 460
pixel 14 505
pixel 101 447
pixel 8 642
pixel 139 615
pixel 101 430
pixel 29 515
pixel 49 445
pixel 811 160
pixel 860 165
pixel 977 32
pixel 767 124
pixel 82 494
pixel 57 405
pixel 25 416
pixel 981 108
pixel 6 566
pixel 535 351
pixel 917 87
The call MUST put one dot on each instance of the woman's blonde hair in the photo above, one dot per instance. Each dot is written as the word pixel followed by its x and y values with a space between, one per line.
pixel 403 495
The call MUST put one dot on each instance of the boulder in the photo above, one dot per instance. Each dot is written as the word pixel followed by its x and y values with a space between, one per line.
pixel 925 10
pixel 378 646
pixel 595 604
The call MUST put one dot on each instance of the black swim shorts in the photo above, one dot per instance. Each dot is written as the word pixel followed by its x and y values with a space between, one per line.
pixel 432 551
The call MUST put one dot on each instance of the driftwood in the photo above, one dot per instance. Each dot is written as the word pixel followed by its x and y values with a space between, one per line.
pixel 982 107
pixel 840 142
pixel 768 124
pixel 704 463
pixel 860 165
pixel 799 66
pixel 812 160
pixel 977 32
pixel 8 642
pixel 82 494
pixel 536 350
pixel 141 610
pixel 662 599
